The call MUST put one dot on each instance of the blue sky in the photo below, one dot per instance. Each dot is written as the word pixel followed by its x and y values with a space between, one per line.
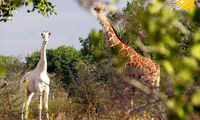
pixel 21 36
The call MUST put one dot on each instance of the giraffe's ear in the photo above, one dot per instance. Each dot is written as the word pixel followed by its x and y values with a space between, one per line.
pixel 41 34
pixel 49 33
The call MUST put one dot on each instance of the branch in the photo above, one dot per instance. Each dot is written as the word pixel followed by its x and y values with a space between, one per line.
pixel 139 109
pixel 150 92
pixel 143 47
pixel 181 27
pixel 8 83
pixel 88 4
pixel 197 4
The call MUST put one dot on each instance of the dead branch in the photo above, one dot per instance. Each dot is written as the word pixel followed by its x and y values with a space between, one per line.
pixel 88 4
pixel 150 92
pixel 181 27
pixel 139 109
pixel 197 3
pixel 143 47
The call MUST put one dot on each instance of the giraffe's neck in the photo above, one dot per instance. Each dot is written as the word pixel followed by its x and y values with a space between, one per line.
pixel 42 64
pixel 108 29
pixel 112 35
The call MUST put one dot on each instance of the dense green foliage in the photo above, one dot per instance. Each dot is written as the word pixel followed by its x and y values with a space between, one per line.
pixel 12 69
pixel 7 7
pixel 9 63
pixel 94 47
pixel 61 61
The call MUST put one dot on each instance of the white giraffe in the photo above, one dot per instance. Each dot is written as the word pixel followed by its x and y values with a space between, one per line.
pixel 37 81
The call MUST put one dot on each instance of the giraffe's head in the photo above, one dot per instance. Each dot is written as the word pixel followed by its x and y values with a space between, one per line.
pixel 45 35
pixel 100 7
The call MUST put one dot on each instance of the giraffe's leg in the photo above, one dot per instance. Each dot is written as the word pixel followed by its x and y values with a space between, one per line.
pixel 22 114
pixel 40 105
pixel 29 97
pixel 46 94
pixel 26 103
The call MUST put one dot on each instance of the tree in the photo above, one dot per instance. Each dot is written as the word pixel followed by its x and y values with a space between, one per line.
pixel 7 7
pixel 11 64
pixel 61 61
pixel 94 47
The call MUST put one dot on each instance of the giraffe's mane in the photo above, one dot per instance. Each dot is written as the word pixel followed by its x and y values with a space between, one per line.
pixel 117 35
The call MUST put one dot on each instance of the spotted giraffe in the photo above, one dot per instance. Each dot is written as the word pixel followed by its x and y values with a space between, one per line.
pixel 137 66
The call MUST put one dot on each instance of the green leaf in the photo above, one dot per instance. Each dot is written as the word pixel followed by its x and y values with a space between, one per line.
pixel 196 36
pixel 99 55
pixel 191 11
pixel 162 49
pixel 122 61
pixel 95 37
pixel 190 63
pixel 171 103
pixel 156 7
pixel 196 51
pixel 181 112
pixel 116 50
pixel 185 75
pixel 196 98
pixel 169 40
pixel 152 26
pixel 168 66
pixel 2 71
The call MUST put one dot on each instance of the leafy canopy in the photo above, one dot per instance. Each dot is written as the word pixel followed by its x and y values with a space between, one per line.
pixel 61 61
pixel 7 7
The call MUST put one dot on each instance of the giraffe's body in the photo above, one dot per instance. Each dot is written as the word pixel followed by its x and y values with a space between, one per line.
pixel 37 81
pixel 137 67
